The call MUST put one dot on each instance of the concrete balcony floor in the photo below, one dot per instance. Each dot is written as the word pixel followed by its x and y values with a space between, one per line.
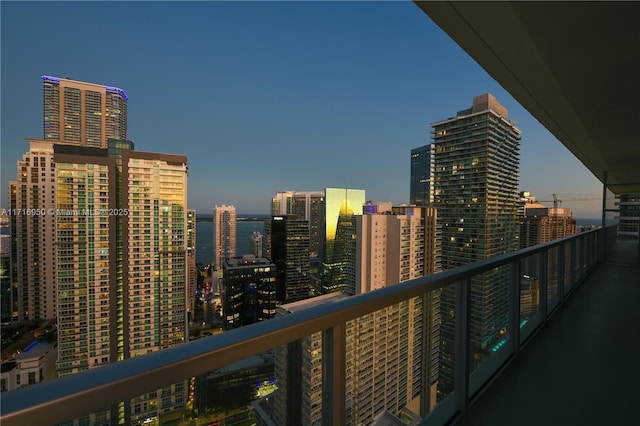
pixel 583 367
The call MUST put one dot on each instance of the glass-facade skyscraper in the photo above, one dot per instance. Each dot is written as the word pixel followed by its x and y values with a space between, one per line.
pixel 306 205
pixel 421 191
pixel 121 258
pixel 290 254
pixel 248 290
pixel 339 236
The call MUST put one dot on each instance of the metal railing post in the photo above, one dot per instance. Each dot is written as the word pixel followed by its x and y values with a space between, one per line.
pixel 560 270
pixel 574 260
pixel 333 370
pixel 544 280
pixel 604 216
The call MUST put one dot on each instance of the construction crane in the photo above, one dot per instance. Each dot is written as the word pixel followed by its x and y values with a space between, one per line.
pixel 556 201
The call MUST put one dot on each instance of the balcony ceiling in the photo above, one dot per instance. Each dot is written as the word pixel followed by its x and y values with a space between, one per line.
pixel 575 66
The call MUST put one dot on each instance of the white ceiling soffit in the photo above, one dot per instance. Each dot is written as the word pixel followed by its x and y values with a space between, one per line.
pixel 575 66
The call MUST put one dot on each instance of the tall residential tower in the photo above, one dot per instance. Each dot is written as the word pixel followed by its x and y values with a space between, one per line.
pixel 104 249
pixel 33 237
pixel 81 113
pixel 475 162
pixel 224 234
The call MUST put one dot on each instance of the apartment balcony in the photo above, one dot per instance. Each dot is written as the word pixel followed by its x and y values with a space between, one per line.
pixel 569 359
pixel 567 355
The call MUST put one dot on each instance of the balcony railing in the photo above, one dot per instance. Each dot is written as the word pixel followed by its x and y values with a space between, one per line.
pixel 539 280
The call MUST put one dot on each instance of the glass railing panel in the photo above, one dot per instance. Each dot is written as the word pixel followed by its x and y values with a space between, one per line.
pixel 553 295
pixel 440 329
pixel 530 316
pixel 229 394
pixel 579 260
pixel 224 395
pixel 391 354
pixel 101 416
pixel 489 330
pixel 593 249
pixel 566 252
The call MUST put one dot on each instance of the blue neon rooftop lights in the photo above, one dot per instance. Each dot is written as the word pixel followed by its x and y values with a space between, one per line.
pixel 109 89
pixel 117 90
pixel 49 78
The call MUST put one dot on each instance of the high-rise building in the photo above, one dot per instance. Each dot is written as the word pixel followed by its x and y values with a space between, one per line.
pixel 341 206
pixel 33 236
pixel 256 244
pixel 475 162
pixel 224 234
pixel 629 217
pixel 421 190
pixel 248 290
pixel 540 224
pixel 6 288
pixel 105 253
pixel 298 372
pixel 77 113
pixel 306 205
pixel 121 252
pixel 103 246
pixel 384 349
pixel 192 270
pixel 394 244
pixel 81 113
pixel 290 254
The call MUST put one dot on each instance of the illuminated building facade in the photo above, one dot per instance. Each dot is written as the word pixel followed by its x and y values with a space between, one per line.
pixel 84 114
pixel 33 236
pixel 475 157
pixel 121 251
pixel 6 287
pixel 224 234
pixel 298 372
pixel 306 205
pixel 540 224
pixel 394 244
pixel 290 254
pixel 339 235
pixel 421 190
pixel 104 248
pixel 248 290
pixel 192 270
pixel 629 217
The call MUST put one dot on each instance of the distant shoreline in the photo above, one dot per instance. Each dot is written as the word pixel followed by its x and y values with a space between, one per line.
pixel 243 218
pixel 265 217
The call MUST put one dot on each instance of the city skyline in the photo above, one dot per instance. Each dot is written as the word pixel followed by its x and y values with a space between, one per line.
pixel 249 91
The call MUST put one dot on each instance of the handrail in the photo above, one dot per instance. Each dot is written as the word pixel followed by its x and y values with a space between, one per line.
pixel 75 395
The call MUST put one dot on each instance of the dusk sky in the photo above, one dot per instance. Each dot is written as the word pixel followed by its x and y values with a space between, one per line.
pixel 268 96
